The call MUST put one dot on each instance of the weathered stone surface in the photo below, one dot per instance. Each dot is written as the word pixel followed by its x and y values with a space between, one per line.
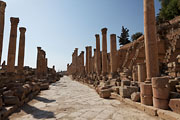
pixel 161 103
pixel 126 91
pixel 160 82
pixel 174 104
pixel 135 96
pixel 150 110
pixel 168 115
pixel 161 93
pixel 106 93
pixel 44 86
pixel 8 93
pixel 146 100
pixel 11 100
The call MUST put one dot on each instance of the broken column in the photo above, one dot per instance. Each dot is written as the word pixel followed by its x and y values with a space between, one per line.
pixel 21 48
pixel 104 51
pixel 113 51
pixel 2 13
pixel 141 72
pixel 151 49
pixel 161 91
pixel 12 45
pixel 97 59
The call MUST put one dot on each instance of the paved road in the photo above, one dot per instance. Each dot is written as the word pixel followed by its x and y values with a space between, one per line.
pixel 70 100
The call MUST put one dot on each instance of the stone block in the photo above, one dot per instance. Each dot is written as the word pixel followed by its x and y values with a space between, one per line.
pixel 146 100
pixel 161 93
pixel 105 93
pixel 160 82
pixel 11 100
pixel 168 115
pixel 8 93
pixel 135 96
pixel 125 83
pixel 20 92
pixel 174 104
pixel 150 110
pixel 161 103
pixel 126 91
pixel 44 86
pixel 146 89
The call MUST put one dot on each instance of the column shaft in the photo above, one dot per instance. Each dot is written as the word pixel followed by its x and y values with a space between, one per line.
pixel 151 49
pixel 12 45
pixel 21 49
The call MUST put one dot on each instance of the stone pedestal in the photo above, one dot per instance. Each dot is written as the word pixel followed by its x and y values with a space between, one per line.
pixel 98 58
pixel 12 45
pixel 113 51
pixel 21 49
pixel 2 13
pixel 104 51
pixel 151 49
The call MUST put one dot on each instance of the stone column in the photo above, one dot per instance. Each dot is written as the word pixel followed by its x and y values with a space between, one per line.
pixel 94 61
pixel 98 58
pixel 87 60
pixel 82 62
pixel 141 72
pixel 2 13
pixel 113 54
pixel 12 45
pixel 151 49
pixel 104 51
pixel 90 60
pixel 21 48
pixel 38 63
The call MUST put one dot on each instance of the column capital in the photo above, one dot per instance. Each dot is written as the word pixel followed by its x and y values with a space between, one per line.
pixel 97 36
pixel 82 52
pixel 2 6
pixel 22 29
pixel 39 48
pixel 14 21
pixel 104 30
pixel 113 35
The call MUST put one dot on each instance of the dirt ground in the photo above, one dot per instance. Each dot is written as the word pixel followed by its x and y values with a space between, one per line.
pixel 70 100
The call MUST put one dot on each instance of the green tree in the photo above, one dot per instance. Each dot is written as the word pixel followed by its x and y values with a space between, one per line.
pixel 169 10
pixel 124 37
pixel 136 36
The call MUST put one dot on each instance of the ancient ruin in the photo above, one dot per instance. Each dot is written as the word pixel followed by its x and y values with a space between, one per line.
pixel 20 84
pixel 141 77
pixel 145 71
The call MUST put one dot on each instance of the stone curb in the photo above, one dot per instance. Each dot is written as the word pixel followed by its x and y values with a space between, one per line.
pixel 163 114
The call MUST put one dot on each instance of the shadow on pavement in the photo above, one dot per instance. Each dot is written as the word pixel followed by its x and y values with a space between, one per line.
pixel 37 113
pixel 41 99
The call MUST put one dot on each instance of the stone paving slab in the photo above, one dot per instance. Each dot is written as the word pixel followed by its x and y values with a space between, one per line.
pixel 71 100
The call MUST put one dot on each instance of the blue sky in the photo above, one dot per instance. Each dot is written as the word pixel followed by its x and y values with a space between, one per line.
pixel 59 26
